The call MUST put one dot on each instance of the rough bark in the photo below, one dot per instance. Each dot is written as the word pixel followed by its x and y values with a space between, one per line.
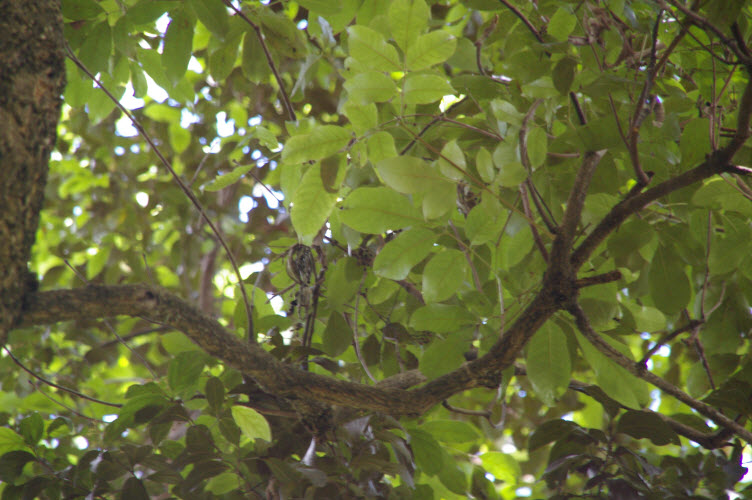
pixel 32 79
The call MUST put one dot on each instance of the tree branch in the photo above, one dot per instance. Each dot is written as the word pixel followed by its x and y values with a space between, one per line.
pixel 583 324
pixel 269 60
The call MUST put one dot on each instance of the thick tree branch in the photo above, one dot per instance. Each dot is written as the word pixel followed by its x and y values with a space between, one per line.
pixel 162 307
pixel 715 164
pixel 576 201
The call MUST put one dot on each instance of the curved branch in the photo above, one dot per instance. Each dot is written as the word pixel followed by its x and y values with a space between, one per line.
pixel 162 307
pixel 638 371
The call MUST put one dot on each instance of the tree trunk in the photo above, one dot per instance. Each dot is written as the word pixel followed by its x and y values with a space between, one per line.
pixel 32 79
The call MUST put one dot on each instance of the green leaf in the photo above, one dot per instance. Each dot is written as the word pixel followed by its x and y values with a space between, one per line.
pixel 134 489
pixel 430 49
pixel 77 10
pixel 444 275
pixel 425 89
pixel 371 86
pixel 381 146
pixel 511 174
pixel 441 318
pixel 251 423
pixel 178 45
pixel 548 364
pixel 482 224
pixel 398 257
pixel 374 210
pixel 407 20
pixel 562 23
pixel 669 286
pixel 551 431
pixel 338 335
pixel 311 205
pixel 229 178
pixel 452 161
pixel 563 74
pixel 537 146
pixel 253 63
pixel 370 48
pixel 439 199
pixel 502 466
pixel 322 6
pixel 32 428
pixel 342 281
pixel 215 392
pixel 427 451
pixel 222 60
pixel 362 117
pixel 147 11
pixel 451 475
pixel 451 431
pixel 266 137
pixel 647 424
pixel 11 441
pixel 214 16
pixel 185 369
pixel 323 141
pixel 615 380
pixel 484 165
pixel 407 174
pixel 95 52
pixel 718 193
pixel 695 141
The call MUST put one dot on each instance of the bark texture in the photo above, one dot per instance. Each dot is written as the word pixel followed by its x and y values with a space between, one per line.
pixel 32 79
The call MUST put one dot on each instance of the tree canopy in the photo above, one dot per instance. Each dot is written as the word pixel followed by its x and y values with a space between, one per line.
pixel 358 249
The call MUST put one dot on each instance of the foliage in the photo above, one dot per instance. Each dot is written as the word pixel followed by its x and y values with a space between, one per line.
pixel 400 183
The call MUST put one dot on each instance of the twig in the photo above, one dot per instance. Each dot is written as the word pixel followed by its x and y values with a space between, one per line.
pixel 176 178
pixel 639 116
pixel 479 43
pixel 583 324
pixel 430 124
pixel 463 411
pixel 524 159
pixel 524 19
pixel 58 386
pixel 533 229
pixel 269 60
pixel 466 252
pixel 598 279
pixel 705 24
pixel 356 342
pixel 577 108
pixel 668 338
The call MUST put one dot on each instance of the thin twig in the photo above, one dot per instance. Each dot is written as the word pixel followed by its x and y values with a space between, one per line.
pixel 356 342
pixel 577 108
pixel 524 19
pixel 466 252
pixel 58 386
pixel 463 411
pixel 639 115
pixel 430 124
pixel 178 181
pixel 526 208
pixel 668 338
pixel 269 60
